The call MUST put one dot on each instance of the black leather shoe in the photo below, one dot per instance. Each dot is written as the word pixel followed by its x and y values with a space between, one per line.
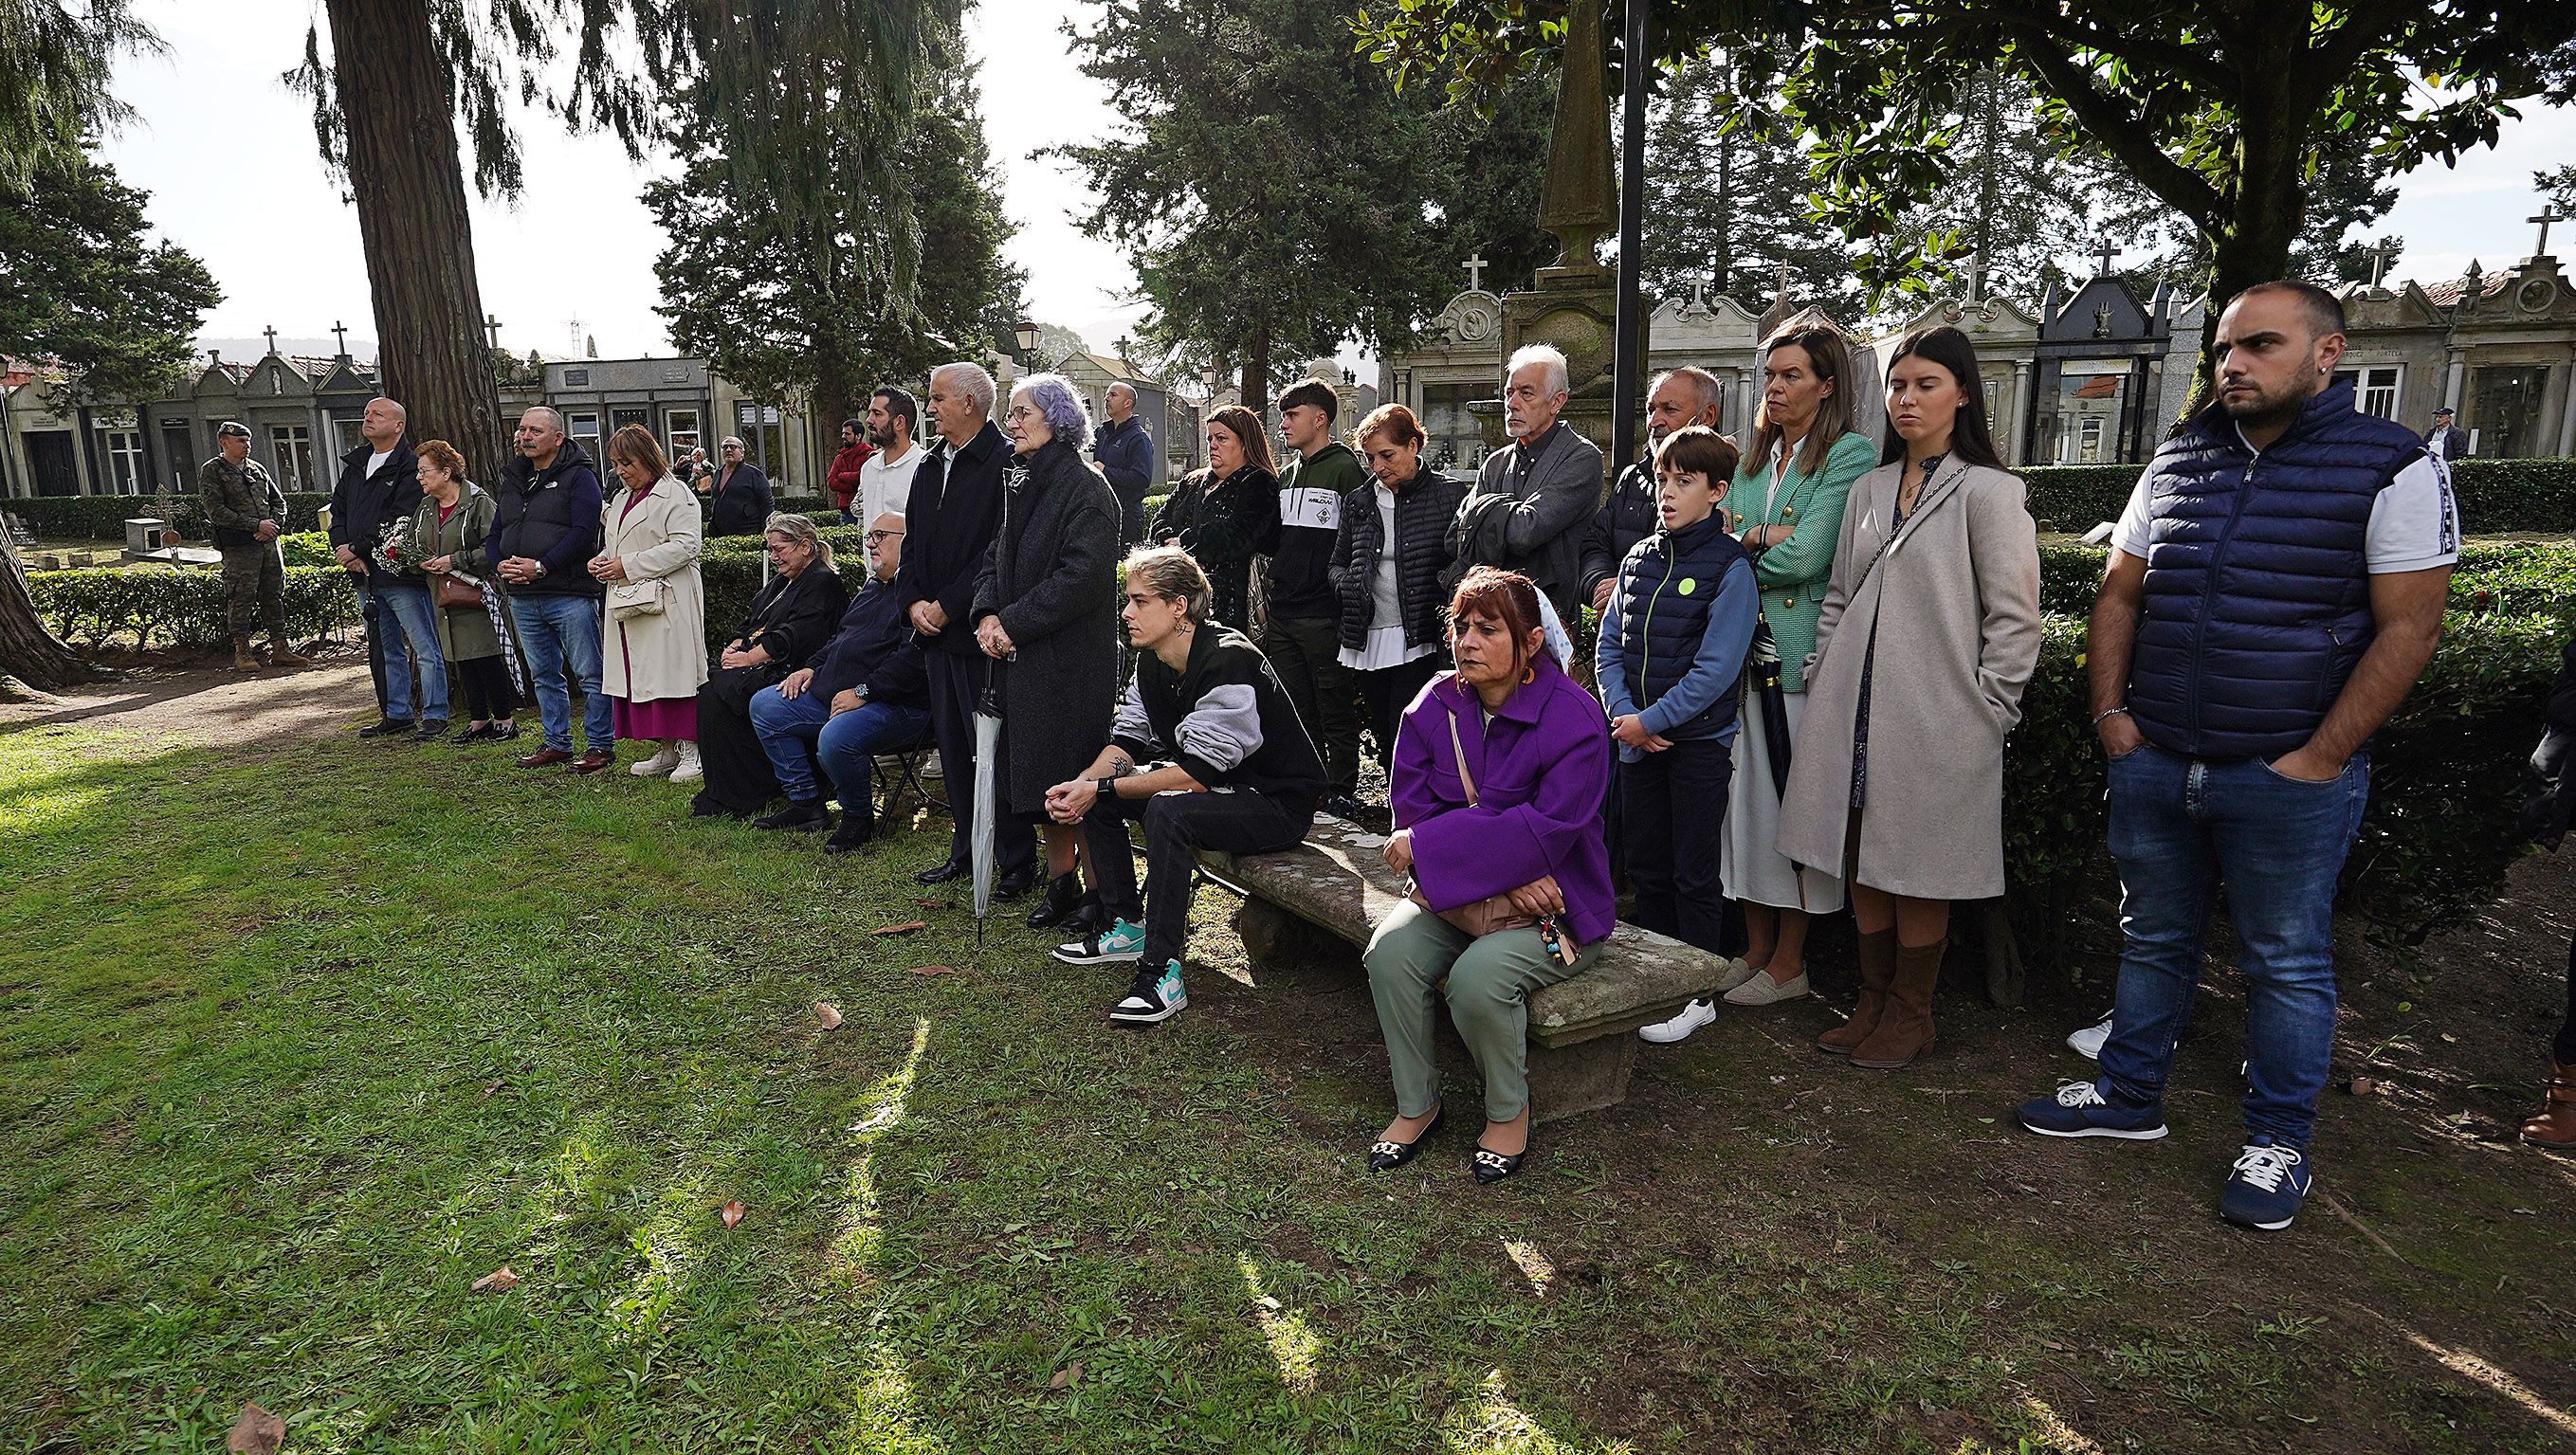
pixel 852 836
pixel 1492 1167
pixel 1341 806
pixel 1063 897
pixel 1388 1156
pixel 1015 883
pixel 947 873
pixel 1089 917
pixel 436 727
pixel 392 727
pixel 808 817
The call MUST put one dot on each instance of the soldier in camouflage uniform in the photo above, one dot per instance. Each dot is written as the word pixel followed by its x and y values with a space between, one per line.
pixel 243 507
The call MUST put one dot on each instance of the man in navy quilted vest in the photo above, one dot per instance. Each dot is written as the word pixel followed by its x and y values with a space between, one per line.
pixel 2275 587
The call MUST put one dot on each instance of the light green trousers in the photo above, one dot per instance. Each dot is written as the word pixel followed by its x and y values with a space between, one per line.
pixel 1490 980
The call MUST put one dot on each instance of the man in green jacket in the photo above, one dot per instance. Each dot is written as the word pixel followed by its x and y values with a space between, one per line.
pixel 1302 638
pixel 243 506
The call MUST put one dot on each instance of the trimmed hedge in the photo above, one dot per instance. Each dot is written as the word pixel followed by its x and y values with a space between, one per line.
pixel 2446 785
pixel 2495 578
pixel 2496 496
pixel 103 517
pixel 178 607
pixel 731 567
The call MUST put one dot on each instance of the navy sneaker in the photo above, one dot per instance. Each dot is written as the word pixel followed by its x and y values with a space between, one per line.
pixel 1156 995
pixel 2079 1110
pixel 2266 1186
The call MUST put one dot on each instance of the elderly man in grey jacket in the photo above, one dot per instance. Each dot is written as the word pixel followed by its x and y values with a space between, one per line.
pixel 1534 496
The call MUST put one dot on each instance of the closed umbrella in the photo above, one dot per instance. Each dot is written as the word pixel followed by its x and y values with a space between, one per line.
pixel 988 795
pixel 1764 694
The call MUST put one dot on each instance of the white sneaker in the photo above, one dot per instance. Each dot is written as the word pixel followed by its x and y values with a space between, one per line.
pixel 2087 1042
pixel 689 769
pixel 1693 1016
pixel 657 765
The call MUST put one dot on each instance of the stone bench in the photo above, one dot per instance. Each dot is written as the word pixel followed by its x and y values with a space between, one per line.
pixel 1582 1031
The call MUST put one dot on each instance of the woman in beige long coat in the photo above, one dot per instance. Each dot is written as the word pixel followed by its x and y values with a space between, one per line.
pixel 1929 633
pixel 653 643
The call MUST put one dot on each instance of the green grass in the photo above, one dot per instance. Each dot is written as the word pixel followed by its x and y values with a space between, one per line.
pixel 298 1041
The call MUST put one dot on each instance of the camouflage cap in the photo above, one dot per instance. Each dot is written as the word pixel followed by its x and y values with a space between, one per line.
pixel 232 427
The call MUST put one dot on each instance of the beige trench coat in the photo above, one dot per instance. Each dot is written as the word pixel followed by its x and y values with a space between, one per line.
pixel 1955 608
pixel 649 658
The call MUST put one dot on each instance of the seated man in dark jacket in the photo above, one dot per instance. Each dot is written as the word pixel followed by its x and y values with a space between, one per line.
pixel 866 693
pixel 1242 777
pixel 737 494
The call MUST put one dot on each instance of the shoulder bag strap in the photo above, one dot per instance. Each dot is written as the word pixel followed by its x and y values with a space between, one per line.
pixel 1455 746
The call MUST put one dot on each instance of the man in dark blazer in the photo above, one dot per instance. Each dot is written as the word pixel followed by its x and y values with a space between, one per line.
pixel 737 495
pixel 949 525
pixel 2445 438
pixel 379 484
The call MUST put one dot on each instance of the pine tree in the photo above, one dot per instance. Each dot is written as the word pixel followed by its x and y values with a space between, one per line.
pixel 1726 200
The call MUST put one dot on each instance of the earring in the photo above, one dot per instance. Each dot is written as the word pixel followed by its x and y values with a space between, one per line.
pixel 1528 675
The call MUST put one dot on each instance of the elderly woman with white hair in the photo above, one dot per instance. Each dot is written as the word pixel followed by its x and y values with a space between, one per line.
pixel 1041 614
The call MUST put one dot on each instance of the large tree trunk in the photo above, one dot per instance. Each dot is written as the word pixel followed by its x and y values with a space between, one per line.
pixel 2269 204
pixel 413 227
pixel 28 650
pixel 1256 370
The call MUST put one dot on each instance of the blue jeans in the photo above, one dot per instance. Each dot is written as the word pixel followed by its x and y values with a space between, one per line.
pixel 411 640
pixel 2180 828
pixel 800 732
pixel 560 635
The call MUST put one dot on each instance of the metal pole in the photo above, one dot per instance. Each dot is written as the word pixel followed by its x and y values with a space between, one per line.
pixel 1626 377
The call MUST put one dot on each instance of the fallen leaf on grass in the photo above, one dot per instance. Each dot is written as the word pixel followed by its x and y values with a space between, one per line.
pixel 257 1432
pixel 902 929
pixel 733 1212
pixel 828 1013
pixel 932 970
pixel 1066 1377
pixel 2363 1086
pixel 496 1281
pixel 936 903
pixel 491 1086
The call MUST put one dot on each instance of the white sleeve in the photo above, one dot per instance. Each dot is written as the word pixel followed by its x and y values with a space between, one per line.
pixel 2415 523
pixel 2131 534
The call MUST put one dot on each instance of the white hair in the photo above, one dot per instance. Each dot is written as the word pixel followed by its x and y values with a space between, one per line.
pixel 1528 354
pixel 549 411
pixel 977 384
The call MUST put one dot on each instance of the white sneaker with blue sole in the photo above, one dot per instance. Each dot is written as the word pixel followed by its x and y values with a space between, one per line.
pixel 1156 995
pixel 1121 943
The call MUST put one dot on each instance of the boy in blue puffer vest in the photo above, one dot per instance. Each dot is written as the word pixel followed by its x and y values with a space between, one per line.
pixel 1673 641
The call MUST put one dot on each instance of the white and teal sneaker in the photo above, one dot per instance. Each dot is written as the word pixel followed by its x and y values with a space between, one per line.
pixel 1155 995
pixel 1121 943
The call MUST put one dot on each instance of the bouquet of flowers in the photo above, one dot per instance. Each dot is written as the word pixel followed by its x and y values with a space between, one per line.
pixel 394 550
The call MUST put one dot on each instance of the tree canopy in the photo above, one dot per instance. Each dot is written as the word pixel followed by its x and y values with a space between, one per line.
pixel 54 69
pixel 2220 110
pixel 81 282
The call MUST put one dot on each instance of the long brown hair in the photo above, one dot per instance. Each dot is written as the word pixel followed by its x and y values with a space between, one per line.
pixel 1830 357
pixel 1245 425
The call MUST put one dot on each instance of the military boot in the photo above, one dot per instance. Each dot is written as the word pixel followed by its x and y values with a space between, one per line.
pixel 282 655
pixel 244 660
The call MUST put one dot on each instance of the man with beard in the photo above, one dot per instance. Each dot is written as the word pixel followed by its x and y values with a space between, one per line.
pixel 2275 587
pixel 885 485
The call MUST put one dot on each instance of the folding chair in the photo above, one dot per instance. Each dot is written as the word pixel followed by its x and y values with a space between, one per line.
pixel 896 773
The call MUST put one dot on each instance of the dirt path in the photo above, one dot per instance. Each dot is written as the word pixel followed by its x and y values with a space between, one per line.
pixel 204 703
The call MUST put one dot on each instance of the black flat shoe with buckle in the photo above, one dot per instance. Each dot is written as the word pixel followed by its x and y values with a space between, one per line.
pixel 1492 1167
pixel 1388 1156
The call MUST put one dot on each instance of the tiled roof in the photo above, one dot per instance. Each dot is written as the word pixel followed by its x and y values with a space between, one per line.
pixel 2447 292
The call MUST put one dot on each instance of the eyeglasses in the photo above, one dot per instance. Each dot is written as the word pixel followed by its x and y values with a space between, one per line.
pixel 875 537
pixel 1023 411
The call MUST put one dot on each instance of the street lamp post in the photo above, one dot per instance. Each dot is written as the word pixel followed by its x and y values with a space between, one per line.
pixel 1025 334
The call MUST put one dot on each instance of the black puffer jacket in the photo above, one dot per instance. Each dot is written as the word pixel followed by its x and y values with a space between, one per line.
pixel 1424 506
pixel 1223 527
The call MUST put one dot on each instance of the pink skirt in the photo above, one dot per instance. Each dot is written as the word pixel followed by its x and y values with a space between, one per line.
pixel 668 717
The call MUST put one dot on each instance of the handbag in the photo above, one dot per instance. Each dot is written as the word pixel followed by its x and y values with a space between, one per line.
pixel 450 592
pixel 628 600
pixel 1494 913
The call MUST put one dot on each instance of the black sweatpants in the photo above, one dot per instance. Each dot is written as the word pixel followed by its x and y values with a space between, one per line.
pixel 1177 826
pixel 1388 691
pixel 955 682
pixel 1306 653
pixel 2565 1047
pixel 1672 820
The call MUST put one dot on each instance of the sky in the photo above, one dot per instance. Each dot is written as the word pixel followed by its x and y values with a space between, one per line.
pixel 228 154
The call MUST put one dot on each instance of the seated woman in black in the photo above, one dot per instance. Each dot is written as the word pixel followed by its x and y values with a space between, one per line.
pixel 1241 776
pixel 793 615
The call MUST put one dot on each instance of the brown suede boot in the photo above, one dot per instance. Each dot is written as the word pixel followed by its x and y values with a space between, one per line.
pixel 244 660
pixel 282 655
pixel 1905 1027
pixel 2554 1129
pixel 1877 967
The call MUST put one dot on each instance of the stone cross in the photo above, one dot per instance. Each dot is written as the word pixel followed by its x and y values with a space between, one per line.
pixel 1476 267
pixel 1976 278
pixel 2108 253
pixel 2381 254
pixel 271 334
pixel 340 331
pixel 492 326
pixel 2548 215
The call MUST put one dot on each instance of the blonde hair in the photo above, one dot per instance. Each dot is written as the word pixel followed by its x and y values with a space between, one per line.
pixel 1172 572
pixel 800 529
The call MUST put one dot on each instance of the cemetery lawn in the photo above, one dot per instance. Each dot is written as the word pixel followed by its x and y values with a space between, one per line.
pixel 299 1038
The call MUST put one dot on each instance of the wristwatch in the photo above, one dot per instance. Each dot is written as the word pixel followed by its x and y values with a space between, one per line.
pixel 1108 786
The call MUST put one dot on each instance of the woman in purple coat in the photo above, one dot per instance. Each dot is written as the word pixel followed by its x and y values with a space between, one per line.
pixel 1522 823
